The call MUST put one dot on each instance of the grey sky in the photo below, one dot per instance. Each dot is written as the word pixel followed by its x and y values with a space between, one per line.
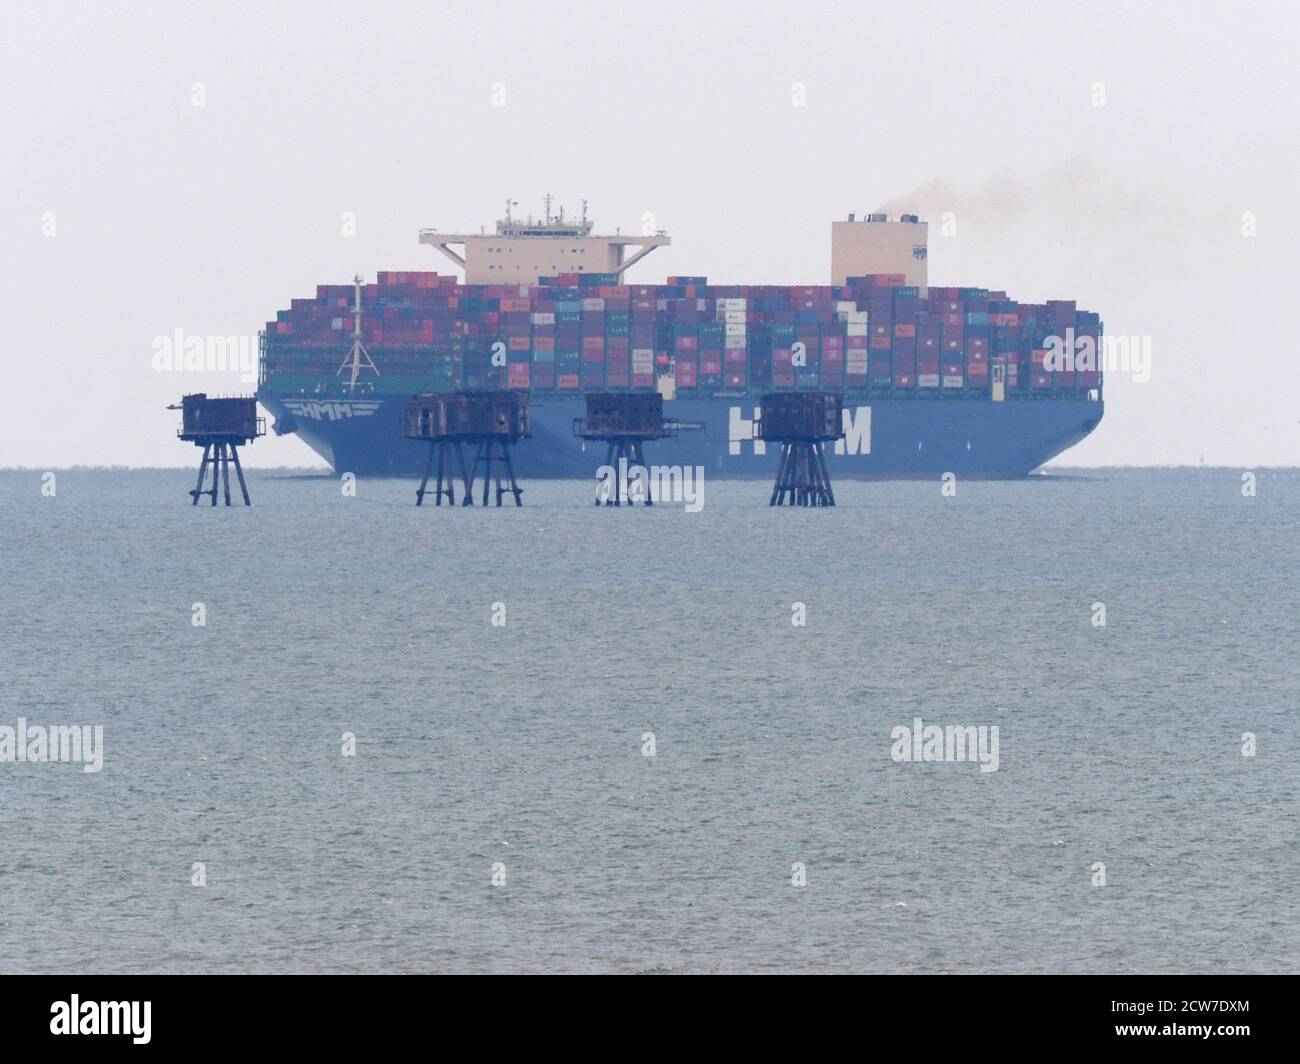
pixel 209 219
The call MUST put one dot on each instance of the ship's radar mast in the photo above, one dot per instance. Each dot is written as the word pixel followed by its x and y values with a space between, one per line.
pixel 358 358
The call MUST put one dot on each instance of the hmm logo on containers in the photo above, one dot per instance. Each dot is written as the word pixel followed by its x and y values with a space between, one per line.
pixel 102 1017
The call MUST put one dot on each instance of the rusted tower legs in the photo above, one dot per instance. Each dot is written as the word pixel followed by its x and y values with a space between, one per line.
pixel 638 459
pixel 225 472
pixel 514 488
pixel 424 479
pixel 483 455
pixel 492 449
pixel 468 493
pixel 203 468
pixel 446 483
pixel 623 453
pixel 801 476
pixel 824 495
pixel 217 456
pixel 211 463
pixel 239 472
pixel 611 462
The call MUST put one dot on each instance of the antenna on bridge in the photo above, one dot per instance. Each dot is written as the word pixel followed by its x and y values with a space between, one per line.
pixel 547 201
pixel 358 358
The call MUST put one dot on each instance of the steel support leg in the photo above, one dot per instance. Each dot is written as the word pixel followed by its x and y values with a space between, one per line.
pixel 225 472
pixel 203 468
pixel 239 472
pixel 424 480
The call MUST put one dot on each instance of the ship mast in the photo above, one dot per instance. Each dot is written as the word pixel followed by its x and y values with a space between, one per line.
pixel 358 358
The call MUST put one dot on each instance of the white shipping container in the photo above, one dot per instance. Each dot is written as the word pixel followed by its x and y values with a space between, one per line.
pixel 856 365
pixel 643 352
pixel 927 380
pixel 593 304
pixel 952 382
pixel 734 342
pixel 845 304
pixel 734 330
pixel 734 317
pixel 544 318
pixel 732 304
pixel 854 329
pixel 336 323
pixel 858 317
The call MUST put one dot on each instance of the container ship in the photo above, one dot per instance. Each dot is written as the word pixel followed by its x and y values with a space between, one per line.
pixel 934 379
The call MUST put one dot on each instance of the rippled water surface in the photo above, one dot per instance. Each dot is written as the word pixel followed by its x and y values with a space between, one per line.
pixel 523 744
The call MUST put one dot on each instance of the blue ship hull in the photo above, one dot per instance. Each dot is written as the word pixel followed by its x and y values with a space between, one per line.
pixel 885 438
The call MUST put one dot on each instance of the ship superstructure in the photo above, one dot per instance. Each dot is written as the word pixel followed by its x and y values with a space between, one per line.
pixel 521 251
pixel 933 378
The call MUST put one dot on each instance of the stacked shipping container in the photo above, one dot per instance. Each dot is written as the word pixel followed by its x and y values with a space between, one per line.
pixel 588 332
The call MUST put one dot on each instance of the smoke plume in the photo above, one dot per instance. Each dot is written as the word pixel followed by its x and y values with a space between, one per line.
pixel 1076 188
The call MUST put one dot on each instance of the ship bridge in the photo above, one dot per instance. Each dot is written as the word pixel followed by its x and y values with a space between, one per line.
pixel 521 251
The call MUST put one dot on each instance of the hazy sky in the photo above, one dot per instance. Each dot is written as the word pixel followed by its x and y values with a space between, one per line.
pixel 165 215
